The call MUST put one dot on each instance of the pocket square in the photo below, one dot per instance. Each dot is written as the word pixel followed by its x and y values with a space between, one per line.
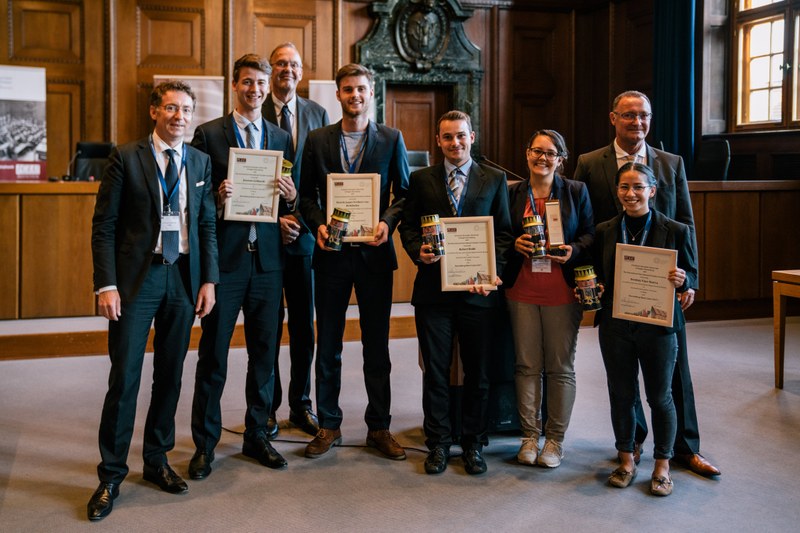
pixel 199 183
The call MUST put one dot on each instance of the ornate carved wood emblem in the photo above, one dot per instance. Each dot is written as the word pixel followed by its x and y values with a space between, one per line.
pixel 422 32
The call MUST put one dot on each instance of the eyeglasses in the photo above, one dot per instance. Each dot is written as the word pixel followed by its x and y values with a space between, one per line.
pixel 636 188
pixel 537 153
pixel 172 108
pixel 630 117
pixel 294 65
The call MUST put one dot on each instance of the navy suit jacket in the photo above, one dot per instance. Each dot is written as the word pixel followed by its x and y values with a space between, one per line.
pixel 486 195
pixel 384 154
pixel 216 138
pixel 310 116
pixel 598 168
pixel 127 220
pixel 577 221
pixel 664 233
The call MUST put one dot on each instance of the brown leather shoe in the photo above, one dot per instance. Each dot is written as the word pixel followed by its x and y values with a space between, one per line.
pixel 383 441
pixel 697 464
pixel 322 443
pixel 637 453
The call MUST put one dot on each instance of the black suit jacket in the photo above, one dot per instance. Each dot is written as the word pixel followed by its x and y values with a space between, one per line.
pixel 216 138
pixel 310 116
pixel 127 219
pixel 385 154
pixel 664 233
pixel 577 221
pixel 486 194
pixel 598 168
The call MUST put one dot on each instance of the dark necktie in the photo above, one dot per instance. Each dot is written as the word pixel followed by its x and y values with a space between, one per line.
pixel 169 239
pixel 251 143
pixel 456 183
pixel 286 125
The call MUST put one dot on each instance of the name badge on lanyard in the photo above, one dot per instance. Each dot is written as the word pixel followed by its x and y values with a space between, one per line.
pixel 170 220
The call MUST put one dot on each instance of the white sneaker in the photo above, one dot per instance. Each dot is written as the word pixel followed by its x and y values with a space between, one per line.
pixel 551 455
pixel 529 451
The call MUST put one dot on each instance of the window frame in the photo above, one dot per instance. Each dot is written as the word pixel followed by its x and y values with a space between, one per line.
pixel 789 10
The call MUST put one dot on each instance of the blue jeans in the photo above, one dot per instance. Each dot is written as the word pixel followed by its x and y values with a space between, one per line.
pixel 625 346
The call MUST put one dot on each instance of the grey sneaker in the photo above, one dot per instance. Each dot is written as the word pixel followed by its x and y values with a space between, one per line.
pixel 529 451
pixel 551 455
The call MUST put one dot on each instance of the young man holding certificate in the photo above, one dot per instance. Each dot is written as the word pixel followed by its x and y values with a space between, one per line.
pixel 354 145
pixel 251 280
pixel 458 187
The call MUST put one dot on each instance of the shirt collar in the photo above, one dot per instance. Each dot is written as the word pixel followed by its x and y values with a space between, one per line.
pixel 642 153
pixel 448 167
pixel 242 122
pixel 159 145
pixel 278 105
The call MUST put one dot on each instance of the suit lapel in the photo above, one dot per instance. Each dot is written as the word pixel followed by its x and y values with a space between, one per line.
pixel 610 248
pixel 476 182
pixel 372 141
pixel 228 126
pixel 438 184
pixel 610 170
pixel 150 173
pixel 334 150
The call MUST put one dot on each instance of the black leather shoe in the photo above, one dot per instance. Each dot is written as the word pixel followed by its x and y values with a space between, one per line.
pixel 436 462
pixel 272 427
pixel 200 465
pixel 305 420
pixel 473 461
pixel 262 451
pixel 166 478
pixel 102 501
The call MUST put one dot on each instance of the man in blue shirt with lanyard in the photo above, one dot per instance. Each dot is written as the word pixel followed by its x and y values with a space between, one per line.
pixel 251 265
pixel 354 145
pixel 155 261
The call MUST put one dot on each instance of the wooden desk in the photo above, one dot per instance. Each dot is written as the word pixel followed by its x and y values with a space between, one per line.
pixel 785 283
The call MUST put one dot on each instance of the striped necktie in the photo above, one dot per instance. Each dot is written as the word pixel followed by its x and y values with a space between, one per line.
pixel 251 143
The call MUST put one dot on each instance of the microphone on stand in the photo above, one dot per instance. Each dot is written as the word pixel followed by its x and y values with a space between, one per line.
pixel 68 175
pixel 483 159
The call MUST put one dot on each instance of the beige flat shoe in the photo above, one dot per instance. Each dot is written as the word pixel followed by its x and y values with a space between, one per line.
pixel 621 478
pixel 661 486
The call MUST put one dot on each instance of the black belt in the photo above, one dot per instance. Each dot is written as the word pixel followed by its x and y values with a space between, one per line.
pixel 252 246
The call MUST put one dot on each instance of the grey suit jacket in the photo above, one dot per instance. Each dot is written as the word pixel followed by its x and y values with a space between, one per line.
pixel 310 116
pixel 127 219
pixel 597 170
pixel 486 194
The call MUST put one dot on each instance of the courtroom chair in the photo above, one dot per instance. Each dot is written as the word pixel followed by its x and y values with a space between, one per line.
pixel 712 160
pixel 90 160
pixel 418 159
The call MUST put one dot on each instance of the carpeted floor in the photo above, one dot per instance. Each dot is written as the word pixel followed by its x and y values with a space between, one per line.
pixel 49 412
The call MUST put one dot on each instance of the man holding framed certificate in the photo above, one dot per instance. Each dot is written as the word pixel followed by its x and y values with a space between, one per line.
pixel 354 145
pixel 251 266
pixel 457 189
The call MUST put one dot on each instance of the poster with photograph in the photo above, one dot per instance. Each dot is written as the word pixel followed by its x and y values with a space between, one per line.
pixel 23 123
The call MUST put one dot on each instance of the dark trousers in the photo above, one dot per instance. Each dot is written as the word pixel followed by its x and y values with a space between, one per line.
pixel 298 291
pixel 626 346
pixel 436 327
pixel 163 298
pixel 687 438
pixel 258 295
pixel 374 293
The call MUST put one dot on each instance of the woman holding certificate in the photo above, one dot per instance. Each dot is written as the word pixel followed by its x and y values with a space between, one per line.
pixel 641 341
pixel 539 279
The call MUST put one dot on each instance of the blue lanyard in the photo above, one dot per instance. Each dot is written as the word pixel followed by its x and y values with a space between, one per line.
pixel 645 231
pixel 239 135
pixel 533 203
pixel 168 194
pixel 352 166
pixel 458 206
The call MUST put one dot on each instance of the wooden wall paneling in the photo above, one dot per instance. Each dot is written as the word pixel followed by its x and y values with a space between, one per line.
pixel 631 53
pixel 415 112
pixel 780 236
pixel 482 29
pixel 173 39
pixel 732 269
pixel 306 23
pixel 9 256
pixel 356 23
pixel 56 262
pixel 539 49
pixel 403 279
pixel 699 212
pixel 64 120
pixel 592 81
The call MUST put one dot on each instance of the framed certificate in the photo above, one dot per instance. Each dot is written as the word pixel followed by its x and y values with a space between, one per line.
pixel 361 195
pixel 254 174
pixel 469 259
pixel 642 292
